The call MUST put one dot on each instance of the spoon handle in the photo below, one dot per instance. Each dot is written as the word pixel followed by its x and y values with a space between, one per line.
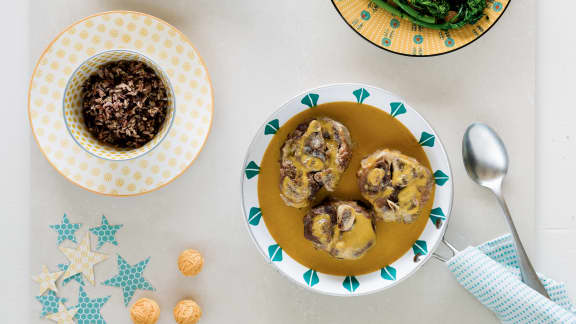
pixel 529 276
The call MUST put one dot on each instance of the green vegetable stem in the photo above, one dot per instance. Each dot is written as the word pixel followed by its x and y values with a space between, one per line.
pixel 414 13
pixel 422 12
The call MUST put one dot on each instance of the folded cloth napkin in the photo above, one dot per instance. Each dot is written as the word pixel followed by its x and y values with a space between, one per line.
pixel 490 272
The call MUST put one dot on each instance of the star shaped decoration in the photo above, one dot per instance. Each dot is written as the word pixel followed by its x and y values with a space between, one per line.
pixel 47 280
pixel 82 259
pixel 66 230
pixel 64 315
pixel 88 310
pixel 77 277
pixel 129 278
pixel 50 302
pixel 106 233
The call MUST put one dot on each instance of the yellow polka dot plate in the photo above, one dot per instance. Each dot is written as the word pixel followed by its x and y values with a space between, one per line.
pixel 401 36
pixel 121 173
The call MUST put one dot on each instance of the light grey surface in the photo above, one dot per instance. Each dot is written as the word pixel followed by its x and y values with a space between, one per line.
pixel 556 143
pixel 259 54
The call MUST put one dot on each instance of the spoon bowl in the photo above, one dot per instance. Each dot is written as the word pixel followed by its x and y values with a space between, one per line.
pixel 485 156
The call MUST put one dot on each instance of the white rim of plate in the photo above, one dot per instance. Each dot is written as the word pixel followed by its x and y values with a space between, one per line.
pixel 127 26
pixel 400 269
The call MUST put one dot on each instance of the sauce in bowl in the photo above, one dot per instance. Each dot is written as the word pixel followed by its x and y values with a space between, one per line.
pixel 371 129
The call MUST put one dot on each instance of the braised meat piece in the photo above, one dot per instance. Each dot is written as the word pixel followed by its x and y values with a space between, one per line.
pixel 344 229
pixel 314 155
pixel 396 185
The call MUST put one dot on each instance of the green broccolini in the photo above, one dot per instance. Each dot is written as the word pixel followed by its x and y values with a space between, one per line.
pixel 435 8
pixel 436 14
pixel 474 10
pixel 413 12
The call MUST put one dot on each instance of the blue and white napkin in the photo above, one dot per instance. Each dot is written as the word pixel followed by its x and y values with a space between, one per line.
pixel 490 272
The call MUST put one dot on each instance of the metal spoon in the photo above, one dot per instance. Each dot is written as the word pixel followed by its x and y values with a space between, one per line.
pixel 486 162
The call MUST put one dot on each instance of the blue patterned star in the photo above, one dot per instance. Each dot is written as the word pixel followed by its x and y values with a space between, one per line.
pixel 50 302
pixel 89 309
pixel 129 278
pixel 66 230
pixel 106 233
pixel 77 277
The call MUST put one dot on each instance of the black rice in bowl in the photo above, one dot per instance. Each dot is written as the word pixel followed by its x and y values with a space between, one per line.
pixel 124 104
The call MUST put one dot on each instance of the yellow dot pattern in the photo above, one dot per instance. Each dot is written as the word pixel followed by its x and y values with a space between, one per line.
pixel 49 98
pixel 82 259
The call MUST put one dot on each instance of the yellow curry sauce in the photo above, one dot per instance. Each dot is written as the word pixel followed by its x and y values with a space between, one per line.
pixel 371 129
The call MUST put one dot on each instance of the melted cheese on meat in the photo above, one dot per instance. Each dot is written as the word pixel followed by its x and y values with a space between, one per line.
pixel 319 139
pixel 395 184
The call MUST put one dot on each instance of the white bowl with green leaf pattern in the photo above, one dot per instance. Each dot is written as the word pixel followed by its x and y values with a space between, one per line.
pixel 391 274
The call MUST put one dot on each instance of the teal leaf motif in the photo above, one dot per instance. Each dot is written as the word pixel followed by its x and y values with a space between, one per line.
pixel 310 100
pixel 351 283
pixel 397 108
pixel 388 273
pixel 437 214
pixel 254 216
pixel 426 139
pixel 272 127
pixel 440 177
pixel 252 170
pixel 420 247
pixel 361 94
pixel 275 252
pixel 311 277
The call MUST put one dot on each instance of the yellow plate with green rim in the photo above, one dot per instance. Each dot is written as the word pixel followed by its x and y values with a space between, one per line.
pixel 401 36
